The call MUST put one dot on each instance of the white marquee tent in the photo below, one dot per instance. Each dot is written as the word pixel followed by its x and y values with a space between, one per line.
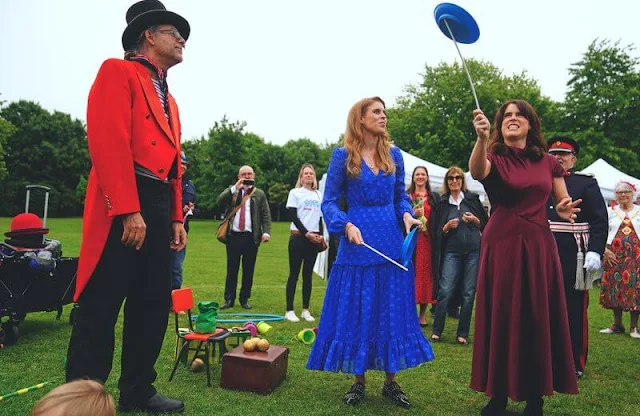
pixel 607 177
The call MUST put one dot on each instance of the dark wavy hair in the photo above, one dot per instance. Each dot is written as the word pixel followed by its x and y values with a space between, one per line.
pixel 536 146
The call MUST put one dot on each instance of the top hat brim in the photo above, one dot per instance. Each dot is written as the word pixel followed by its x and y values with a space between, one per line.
pixel 462 24
pixel 26 232
pixel 153 17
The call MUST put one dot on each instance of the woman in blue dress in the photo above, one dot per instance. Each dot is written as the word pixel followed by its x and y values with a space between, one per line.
pixel 369 320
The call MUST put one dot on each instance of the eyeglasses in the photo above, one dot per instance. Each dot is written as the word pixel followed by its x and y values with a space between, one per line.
pixel 623 192
pixel 454 178
pixel 172 32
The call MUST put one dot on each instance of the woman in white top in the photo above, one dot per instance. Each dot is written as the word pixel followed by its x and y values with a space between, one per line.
pixel 620 287
pixel 303 205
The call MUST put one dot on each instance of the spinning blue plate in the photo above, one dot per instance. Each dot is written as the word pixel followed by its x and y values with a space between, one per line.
pixel 409 246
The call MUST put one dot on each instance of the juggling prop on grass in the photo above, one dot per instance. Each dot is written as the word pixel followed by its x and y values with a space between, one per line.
pixel 459 26
pixel 25 390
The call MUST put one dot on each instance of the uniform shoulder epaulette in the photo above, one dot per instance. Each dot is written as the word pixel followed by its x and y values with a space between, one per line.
pixel 591 175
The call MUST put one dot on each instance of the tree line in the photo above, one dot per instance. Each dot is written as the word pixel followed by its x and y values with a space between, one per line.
pixel 431 120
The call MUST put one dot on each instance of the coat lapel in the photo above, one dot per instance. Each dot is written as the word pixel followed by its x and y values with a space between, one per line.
pixel 153 101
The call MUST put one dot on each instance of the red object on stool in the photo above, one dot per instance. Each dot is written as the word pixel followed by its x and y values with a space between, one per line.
pixel 182 300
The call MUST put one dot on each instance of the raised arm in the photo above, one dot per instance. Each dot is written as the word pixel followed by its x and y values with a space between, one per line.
pixel 479 165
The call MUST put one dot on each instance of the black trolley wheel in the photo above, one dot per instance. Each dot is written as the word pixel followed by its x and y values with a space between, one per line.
pixel 10 332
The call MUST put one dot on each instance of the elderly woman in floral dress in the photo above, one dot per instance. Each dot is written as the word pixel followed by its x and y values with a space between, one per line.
pixel 620 287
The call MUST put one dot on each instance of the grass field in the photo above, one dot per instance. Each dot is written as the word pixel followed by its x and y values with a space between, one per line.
pixel 610 385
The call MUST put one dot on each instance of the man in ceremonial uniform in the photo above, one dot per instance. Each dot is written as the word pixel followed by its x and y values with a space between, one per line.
pixel 580 245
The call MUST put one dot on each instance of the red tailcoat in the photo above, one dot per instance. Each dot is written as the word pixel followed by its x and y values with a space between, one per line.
pixel 125 124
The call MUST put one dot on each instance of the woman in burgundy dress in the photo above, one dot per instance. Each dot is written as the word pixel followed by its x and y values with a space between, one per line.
pixel 423 201
pixel 522 347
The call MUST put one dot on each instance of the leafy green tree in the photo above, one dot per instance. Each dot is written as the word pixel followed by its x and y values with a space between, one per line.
pixel 298 152
pixel 433 120
pixel 48 149
pixel 278 194
pixel 6 131
pixel 603 105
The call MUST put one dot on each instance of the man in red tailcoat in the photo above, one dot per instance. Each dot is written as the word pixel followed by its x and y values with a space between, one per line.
pixel 133 216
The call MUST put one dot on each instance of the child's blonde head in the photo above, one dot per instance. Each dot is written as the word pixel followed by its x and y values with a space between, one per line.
pixel 77 398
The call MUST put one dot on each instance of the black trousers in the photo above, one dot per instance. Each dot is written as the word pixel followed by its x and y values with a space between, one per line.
pixel 141 277
pixel 577 302
pixel 301 250
pixel 240 248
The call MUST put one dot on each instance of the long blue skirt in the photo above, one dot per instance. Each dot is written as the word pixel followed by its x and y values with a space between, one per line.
pixel 369 322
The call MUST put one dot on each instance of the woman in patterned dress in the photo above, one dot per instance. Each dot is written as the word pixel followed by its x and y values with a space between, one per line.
pixel 368 319
pixel 424 202
pixel 620 287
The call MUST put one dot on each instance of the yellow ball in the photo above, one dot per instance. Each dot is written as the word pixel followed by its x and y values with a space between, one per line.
pixel 249 345
pixel 263 345
pixel 197 365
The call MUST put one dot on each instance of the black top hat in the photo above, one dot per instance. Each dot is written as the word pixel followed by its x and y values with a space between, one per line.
pixel 563 144
pixel 146 13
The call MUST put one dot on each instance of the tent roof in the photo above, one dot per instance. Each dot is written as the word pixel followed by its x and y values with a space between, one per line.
pixel 607 177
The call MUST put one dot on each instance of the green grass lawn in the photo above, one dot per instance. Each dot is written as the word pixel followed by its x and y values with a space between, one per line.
pixel 610 385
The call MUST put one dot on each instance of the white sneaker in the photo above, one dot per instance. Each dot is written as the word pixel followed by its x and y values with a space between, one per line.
pixel 307 316
pixel 634 333
pixel 291 316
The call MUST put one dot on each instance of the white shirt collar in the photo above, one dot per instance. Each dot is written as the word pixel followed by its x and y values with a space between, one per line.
pixel 456 202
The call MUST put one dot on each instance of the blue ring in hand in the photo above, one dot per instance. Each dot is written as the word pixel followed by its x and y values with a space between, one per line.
pixel 462 24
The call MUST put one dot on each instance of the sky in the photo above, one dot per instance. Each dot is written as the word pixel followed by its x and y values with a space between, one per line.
pixel 293 68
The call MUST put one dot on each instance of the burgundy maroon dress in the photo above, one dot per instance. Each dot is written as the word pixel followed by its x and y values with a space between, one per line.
pixel 522 347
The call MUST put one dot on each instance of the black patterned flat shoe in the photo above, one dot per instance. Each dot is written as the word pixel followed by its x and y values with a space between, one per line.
pixel 394 392
pixel 355 394
pixel 495 407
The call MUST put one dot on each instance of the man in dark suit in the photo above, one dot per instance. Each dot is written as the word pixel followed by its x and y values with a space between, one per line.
pixel 580 245
pixel 251 225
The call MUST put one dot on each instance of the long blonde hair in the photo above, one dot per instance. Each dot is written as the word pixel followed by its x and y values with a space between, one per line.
pixel 354 140
pixel 314 186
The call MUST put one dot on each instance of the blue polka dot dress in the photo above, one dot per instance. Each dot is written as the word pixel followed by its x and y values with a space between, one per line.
pixel 369 320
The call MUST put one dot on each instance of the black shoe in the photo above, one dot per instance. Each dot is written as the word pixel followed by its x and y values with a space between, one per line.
pixel 156 404
pixel 355 394
pixel 534 407
pixel 227 304
pixel 245 304
pixel 495 407
pixel 394 392
pixel 579 374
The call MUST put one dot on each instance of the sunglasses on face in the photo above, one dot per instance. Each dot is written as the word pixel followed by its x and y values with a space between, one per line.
pixel 454 178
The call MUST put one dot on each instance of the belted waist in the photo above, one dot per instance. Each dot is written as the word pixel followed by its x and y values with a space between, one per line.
pixel 580 231
pixel 146 184
pixel 567 227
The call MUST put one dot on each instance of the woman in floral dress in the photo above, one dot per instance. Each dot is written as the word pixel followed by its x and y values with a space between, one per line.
pixel 620 287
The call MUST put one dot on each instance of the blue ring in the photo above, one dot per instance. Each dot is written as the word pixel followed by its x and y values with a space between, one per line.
pixel 266 317
pixel 462 24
